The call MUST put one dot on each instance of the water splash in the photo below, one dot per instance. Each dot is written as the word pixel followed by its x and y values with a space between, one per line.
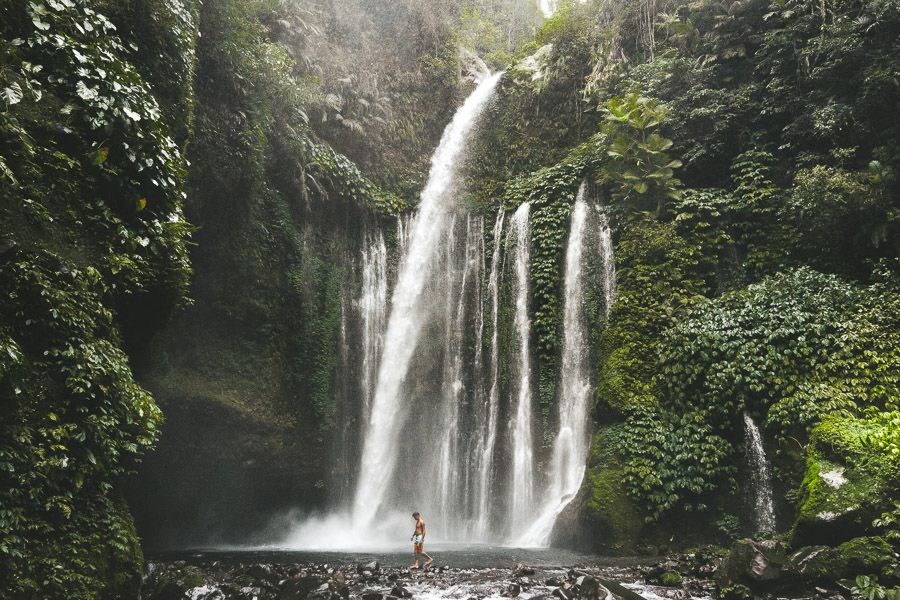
pixel 760 477
pixel 409 311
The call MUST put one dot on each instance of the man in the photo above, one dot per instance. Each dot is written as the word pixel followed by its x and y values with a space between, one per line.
pixel 418 540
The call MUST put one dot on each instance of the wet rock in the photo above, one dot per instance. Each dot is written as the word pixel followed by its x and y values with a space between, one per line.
pixel 521 570
pixel 401 592
pixel 297 587
pixel 588 587
pixel 562 594
pixel 513 590
pixel 552 582
pixel 250 592
pixel 753 562
pixel 371 566
pixel 372 595
pixel 261 572
pixel 205 592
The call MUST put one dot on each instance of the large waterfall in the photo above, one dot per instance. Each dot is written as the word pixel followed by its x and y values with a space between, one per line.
pixel 410 310
pixel 442 413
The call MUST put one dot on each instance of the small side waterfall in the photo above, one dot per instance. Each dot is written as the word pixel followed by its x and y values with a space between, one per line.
pixel 572 442
pixel 410 310
pixel 760 477
pixel 522 475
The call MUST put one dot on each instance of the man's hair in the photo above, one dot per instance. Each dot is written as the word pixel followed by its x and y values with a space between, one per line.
pixel 416 514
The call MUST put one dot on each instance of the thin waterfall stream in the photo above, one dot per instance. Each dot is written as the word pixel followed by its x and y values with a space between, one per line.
pixel 760 477
pixel 572 440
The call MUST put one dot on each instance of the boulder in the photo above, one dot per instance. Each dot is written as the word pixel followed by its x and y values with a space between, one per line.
pixel 858 556
pixel 521 570
pixel 588 587
pixel 513 590
pixel 401 592
pixel 753 562
pixel 562 594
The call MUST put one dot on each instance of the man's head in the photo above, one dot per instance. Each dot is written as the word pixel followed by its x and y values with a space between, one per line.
pixel 416 515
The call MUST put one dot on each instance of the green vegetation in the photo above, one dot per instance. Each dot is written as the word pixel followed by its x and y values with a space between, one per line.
pixel 92 181
pixel 748 155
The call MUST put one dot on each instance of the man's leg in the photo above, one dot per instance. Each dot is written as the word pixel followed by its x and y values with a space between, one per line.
pixel 416 548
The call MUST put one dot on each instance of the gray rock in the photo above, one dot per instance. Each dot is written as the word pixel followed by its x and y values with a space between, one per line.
pixel 588 587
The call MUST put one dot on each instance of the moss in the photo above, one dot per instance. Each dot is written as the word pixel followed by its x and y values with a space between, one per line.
pixel 858 556
pixel 850 479
pixel 671 579
pixel 617 520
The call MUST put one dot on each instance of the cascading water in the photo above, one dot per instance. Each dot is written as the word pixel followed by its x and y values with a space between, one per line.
pixel 410 311
pixel 572 440
pixel 372 308
pixel 760 477
pixel 446 366
pixel 488 439
pixel 522 437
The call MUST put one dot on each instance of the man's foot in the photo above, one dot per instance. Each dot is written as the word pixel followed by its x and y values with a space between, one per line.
pixel 430 560
pixel 415 566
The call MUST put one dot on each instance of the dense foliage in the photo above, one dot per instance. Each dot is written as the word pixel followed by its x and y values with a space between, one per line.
pixel 92 185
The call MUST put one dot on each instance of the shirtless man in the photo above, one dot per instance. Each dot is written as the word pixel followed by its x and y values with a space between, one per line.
pixel 418 540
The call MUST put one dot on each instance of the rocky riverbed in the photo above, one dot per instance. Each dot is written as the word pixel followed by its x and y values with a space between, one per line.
pixel 208 578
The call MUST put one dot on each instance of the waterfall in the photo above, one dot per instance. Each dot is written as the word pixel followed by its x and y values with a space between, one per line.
pixel 411 310
pixel 372 306
pixel 572 442
pixel 488 441
pixel 522 482
pixel 760 477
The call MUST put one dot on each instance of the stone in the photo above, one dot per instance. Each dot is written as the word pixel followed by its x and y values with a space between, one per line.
pixel 513 590
pixel 562 594
pixel 205 592
pixel 822 564
pixel 552 582
pixel 401 592
pixel 369 566
pixel 753 561
pixel 588 587
pixel 521 570
pixel 372 595
pixel 261 572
